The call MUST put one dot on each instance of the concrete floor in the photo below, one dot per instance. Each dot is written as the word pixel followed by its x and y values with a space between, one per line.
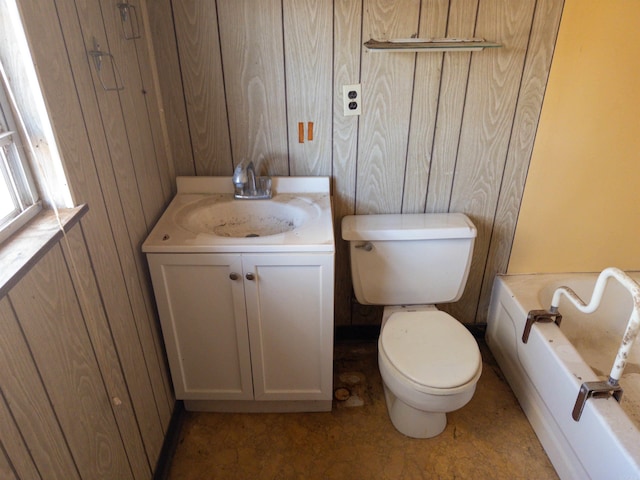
pixel 489 438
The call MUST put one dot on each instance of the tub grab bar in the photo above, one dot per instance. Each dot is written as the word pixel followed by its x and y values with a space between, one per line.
pixel 596 390
pixel 610 387
pixel 544 316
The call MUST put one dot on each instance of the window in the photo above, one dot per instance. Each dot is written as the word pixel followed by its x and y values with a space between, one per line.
pixel 31 170
pixel 18 196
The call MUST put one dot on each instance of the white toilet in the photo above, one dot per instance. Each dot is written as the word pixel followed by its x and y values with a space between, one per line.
pixel 429 362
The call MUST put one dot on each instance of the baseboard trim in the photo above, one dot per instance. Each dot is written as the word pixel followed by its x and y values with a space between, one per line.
pixel 346 333
pixel 170 442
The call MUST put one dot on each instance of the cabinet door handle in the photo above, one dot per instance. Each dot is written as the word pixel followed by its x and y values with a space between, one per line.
pixel 250 276
pixel 234 276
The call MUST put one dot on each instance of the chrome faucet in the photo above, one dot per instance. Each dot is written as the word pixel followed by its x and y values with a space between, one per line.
pixel 243 174
pixel 248 185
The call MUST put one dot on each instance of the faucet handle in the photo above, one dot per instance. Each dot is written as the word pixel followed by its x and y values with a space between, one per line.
pixel 240 174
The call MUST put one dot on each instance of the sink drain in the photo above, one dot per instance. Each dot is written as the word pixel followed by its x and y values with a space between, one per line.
pixel 251 235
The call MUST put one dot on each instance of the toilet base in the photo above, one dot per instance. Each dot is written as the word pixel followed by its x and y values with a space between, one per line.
pixel 413 422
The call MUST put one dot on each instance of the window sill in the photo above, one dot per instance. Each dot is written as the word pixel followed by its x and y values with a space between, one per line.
pixel 22 250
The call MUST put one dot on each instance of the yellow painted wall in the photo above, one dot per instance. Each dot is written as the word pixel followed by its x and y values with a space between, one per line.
pixel 581 206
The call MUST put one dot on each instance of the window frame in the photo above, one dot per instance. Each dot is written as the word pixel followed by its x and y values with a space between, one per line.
pixel 14 164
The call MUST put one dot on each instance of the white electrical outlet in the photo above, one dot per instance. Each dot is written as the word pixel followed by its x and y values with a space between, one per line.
pixel 352 99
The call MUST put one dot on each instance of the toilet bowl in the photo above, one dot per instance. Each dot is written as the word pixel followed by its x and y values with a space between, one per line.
pixel 430 365
pixel 429 362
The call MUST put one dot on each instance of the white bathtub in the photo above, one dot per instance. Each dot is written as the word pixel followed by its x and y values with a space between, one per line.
pixel 546 373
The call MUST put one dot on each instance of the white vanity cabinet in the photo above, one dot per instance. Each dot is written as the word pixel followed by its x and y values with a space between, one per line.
pixel 244 289
pixel 247 331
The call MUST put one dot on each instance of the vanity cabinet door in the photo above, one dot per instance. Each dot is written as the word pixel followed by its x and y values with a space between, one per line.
pixel 200 299
pixel 289 302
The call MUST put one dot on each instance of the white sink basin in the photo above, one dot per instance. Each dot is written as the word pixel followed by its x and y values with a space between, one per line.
pixel 204 217
pixel 224 216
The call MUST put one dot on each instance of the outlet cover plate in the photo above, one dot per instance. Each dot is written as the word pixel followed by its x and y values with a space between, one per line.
pixel 352 99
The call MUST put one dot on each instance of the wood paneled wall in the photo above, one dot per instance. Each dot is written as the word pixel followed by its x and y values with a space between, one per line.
pixel 438 132
pixel 64 393
pixel 85 386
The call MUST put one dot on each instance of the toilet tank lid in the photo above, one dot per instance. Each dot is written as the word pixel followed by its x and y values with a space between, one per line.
pixel 407 226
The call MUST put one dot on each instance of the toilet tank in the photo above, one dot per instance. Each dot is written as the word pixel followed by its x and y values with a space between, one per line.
pixel 408 259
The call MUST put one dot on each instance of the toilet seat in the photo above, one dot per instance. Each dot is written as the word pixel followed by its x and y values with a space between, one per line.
pixel 431 349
